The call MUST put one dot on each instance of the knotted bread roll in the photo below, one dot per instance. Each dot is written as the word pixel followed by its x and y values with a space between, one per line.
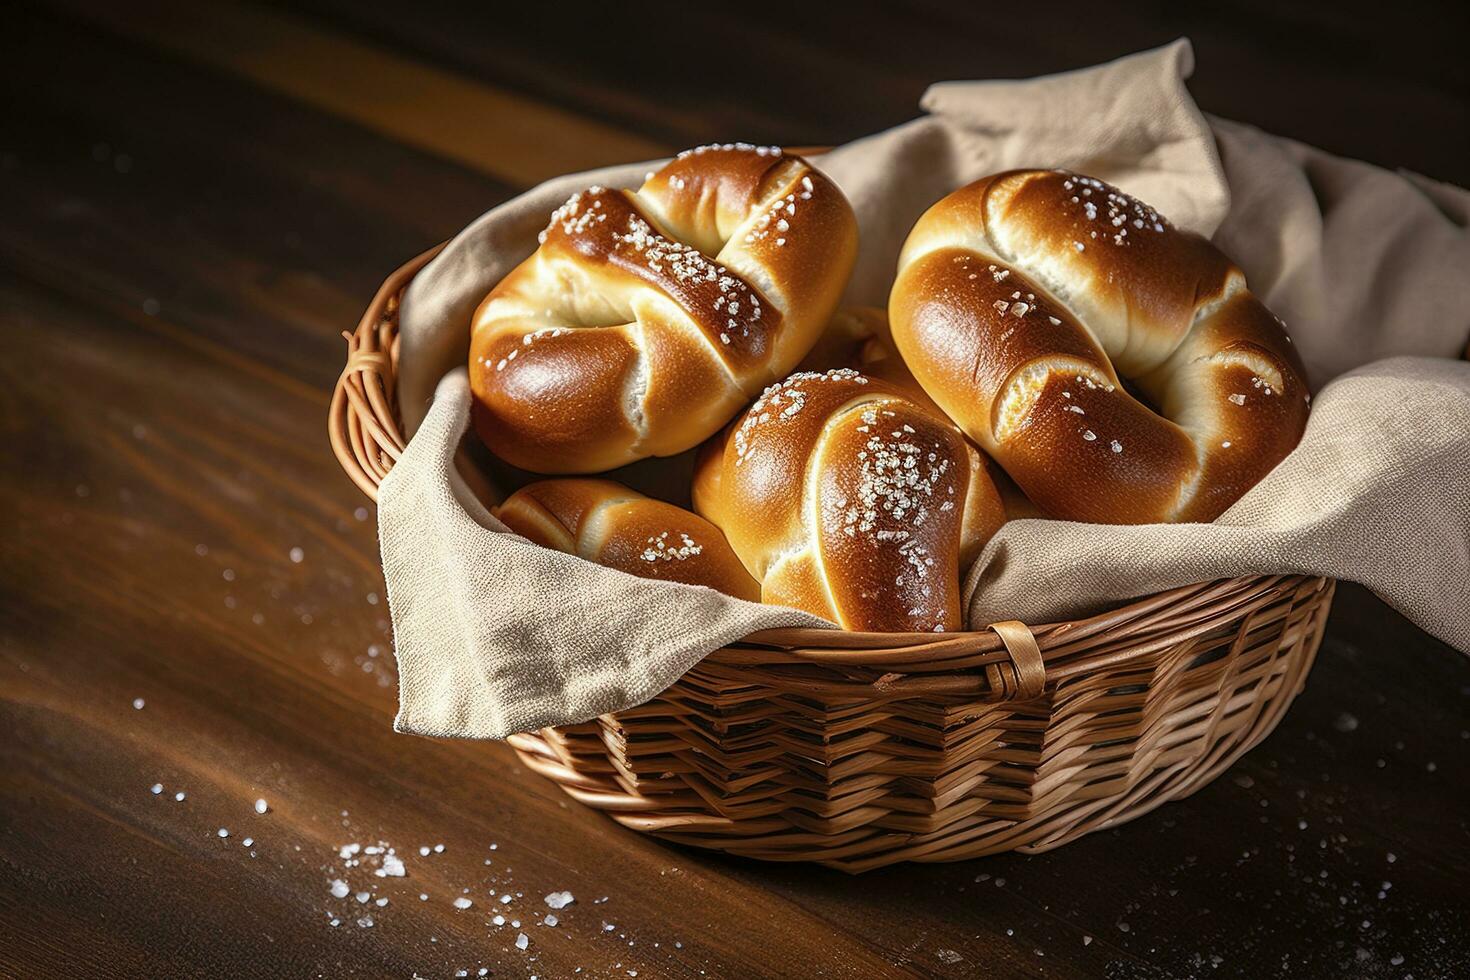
pixel 646 319
pixel 1023 297
pixel 846 498
pixel 608 523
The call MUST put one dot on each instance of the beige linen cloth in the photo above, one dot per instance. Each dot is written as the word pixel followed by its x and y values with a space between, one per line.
pixel 1370 270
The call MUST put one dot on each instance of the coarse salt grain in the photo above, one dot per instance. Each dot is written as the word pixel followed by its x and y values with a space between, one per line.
pixel 297 555
pixel 138 704
pixel 156 788
pixel 261 806
pixel 658 548
pixel 559 900
pixel 462 903
pixel 339 888
pixel 223 832
pixel 522 941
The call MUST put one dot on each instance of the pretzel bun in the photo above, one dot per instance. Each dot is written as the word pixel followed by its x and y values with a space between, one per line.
pixel 646 318
pixel 610 524
pixel 846 498
pixel 1021 300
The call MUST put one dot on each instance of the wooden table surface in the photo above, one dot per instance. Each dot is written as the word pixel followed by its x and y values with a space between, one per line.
pixel 194 201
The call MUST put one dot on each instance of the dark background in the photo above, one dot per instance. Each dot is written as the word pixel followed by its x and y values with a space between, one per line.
pixel 195 200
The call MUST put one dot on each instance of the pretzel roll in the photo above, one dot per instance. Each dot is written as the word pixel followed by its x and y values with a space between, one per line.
pixel 846 498
pixel 1021 300
pixel 647 318
pixel 610 524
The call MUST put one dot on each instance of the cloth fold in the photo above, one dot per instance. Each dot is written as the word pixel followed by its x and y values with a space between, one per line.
pixel 494 635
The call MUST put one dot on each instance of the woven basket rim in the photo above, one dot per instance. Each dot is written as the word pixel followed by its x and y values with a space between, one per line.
pixel 366 434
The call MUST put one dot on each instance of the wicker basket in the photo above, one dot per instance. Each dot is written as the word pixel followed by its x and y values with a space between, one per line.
pixel 858 750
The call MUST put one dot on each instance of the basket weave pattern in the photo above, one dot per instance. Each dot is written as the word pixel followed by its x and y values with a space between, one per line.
pixel 859 750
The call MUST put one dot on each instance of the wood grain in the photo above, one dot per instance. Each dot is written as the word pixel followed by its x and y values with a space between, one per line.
pixel 497 131
pixel 180 247
pixel 1332 74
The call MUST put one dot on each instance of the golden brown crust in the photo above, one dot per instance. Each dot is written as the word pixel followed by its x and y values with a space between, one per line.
pixel 649 317
pixel 608 523
pixel 847 498
pixel 1020 300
